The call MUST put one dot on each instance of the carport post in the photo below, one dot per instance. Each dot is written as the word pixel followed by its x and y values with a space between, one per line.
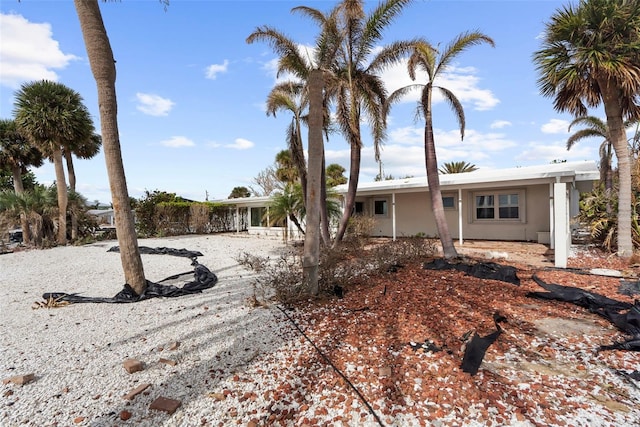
pixel 561 224
pixel 393 215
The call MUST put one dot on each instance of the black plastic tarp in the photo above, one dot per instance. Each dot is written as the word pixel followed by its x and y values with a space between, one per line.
pixel 624 315
pixel 192 282
pixel 481 270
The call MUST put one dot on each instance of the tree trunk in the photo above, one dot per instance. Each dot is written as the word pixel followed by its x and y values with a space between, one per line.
pixel 72 184
pixel 311 257
pixel 104 71
pixel 61 187
pixel 618 137
pixel 324 211
pixel 354 175
pixel 433 180
pixel 19 189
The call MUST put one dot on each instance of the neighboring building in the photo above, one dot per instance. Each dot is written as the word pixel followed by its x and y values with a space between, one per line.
pixel 105 217
pixel 533 203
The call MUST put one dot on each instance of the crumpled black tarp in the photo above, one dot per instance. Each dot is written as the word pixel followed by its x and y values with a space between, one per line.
pixel 625 316
pixel 477 347
pixel 481 270
pixel 203 278
pixel 162 251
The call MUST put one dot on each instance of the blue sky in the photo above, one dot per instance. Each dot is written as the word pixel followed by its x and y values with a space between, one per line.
pixel 191 91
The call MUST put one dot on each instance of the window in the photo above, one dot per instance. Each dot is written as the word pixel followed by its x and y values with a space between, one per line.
pixel 258 217
pixel 449 202
pixel 380 207
pixel 484 207
pixel 498 206
pixel 358 209
pixel 508 206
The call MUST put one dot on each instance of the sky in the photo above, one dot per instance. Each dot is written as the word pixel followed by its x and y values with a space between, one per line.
pixel 191 92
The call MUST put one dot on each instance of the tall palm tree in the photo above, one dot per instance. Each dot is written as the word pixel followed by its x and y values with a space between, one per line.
pixel 289 96
pixel 50 115
pixel 434 64
pixel 104 71
pixel 354 82
pixel 596 127
pixel 457 167
pixel 16 155
pixel 589 57
pixel 286 170
pixel 346 52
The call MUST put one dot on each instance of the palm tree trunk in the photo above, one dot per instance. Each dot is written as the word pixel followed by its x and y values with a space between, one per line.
pixel 354 174
pixel 19 189
pixel 72 184
pixel 104 71
pixel 619 141
pixel 433 180
pixel 324 211
pixel 311 257
pixel 61 187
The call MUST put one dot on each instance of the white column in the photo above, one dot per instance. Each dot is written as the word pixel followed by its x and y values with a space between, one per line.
pixel 460 239
pixel 237 219
pixel 393 215
pixel 562 236
pixel 552 232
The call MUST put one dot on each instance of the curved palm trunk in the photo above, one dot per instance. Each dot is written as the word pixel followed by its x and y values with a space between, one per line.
pixel 104 72
pixel 433 180
pixel 619 142
pixel 354 174
pixel 72 184
pixel 61 187
pixel 19 189
pixel 295 221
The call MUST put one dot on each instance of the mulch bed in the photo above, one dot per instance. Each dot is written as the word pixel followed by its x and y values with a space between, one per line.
pixel 543 370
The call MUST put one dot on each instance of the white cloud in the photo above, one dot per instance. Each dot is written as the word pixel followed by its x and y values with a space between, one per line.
pixel 241 144
pixel 153 105
pixel 28 51
pixel 538 152
pixel 555 126
pixel 177 142
pixel 499 124
pixel 213 70
pixel 462 81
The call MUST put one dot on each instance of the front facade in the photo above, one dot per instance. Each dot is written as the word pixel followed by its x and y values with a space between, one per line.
pixel 520 204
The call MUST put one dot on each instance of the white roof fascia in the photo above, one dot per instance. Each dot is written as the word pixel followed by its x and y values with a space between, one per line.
pixel 559 172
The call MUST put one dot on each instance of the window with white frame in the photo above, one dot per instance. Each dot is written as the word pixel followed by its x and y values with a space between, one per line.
pixel 449 201
pixel 498 206
pixel 380 207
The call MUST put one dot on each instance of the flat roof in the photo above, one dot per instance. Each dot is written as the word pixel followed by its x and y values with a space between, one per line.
pixel 563 172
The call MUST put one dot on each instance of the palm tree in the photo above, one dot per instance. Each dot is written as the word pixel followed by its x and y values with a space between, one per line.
pixel 83 149
pixel 104 71
pixel 354 84
pixel 457 167
pixel 287 204
pixel 289 96
pixel 51 115
pixel 589 57
pixel 38 205
pixel 286 171
pixel 596 127
pixel 335 175
pixel 434 64
pixel 16 155
pixel 346 52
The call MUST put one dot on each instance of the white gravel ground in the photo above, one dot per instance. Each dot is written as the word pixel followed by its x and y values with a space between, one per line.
pixel 76 352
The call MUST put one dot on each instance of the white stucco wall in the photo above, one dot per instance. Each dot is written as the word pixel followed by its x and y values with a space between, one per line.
pixel 414 215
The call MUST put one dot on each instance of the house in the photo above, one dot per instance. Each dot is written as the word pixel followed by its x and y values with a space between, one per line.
pixel 105 217
pixel 533 203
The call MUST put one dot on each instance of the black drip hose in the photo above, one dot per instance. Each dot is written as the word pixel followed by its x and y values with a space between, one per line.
pixel 335 368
